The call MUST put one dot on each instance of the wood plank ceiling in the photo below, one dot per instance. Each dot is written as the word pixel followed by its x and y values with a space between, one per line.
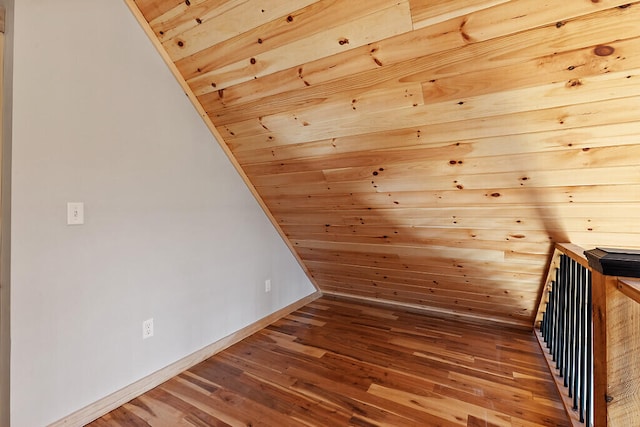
pixel 426 152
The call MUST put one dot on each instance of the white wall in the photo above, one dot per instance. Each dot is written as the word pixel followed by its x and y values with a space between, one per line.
pixel 171 231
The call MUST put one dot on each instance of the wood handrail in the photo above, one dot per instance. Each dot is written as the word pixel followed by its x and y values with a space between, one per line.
pixel 574 252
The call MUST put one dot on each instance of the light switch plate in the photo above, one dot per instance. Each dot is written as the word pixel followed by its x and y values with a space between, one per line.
pixel 75 213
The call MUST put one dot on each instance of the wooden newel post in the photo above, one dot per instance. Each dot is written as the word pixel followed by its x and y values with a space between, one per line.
pixel 600 396
pixel 616 337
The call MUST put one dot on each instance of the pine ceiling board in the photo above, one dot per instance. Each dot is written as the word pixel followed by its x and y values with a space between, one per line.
pixel 475 282
pixel 481 221
pixel 472 79
pixel 452 305
pixel 346 103
pixel 367 159
pixel 569 67
pixel 368 29
pixel 625 239
pixel 413 179
pixel 519 258
pixel 505 197
pixel 408 140
pixel 419 278
pixel 333 68
pixel 470 315
pixel 603 112
pixel 443 289
pixel 459 159
pixel 438 162
pixel 185 16
pixel 504 303
pixel 498 281
pixel 151 9
pixel 432 265
pixel 501 242
pixel 430 285
pixel 436 59
pixel 426 13
pixel 491 304
pixel 313 19
pixel 455 283
pixel 487 216
pixel 407 235
pixel 466 268
pixel 232 22
pixel 398 228
pixel 481 302
pixel 604 225
pixel 407 108
pixel 492 255
pixel 314 178
pixel 515 16
pixel 524 125
pixel 308 126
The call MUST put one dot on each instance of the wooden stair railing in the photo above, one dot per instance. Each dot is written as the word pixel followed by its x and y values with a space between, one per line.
pixel 588 326
pixel 564 330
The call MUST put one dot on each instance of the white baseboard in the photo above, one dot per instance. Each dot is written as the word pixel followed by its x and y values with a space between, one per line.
pixel 109 403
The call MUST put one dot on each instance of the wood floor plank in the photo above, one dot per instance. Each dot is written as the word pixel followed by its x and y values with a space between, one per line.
pixel 338 362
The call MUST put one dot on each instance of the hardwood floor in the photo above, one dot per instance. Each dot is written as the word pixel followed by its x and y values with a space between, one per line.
pixel 341 363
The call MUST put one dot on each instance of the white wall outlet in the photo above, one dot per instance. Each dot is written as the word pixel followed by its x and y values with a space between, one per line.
pixel 75 213
pixel 147 329
pixel 267 285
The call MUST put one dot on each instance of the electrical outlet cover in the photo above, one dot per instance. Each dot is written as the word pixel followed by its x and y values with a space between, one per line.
pixel 147 329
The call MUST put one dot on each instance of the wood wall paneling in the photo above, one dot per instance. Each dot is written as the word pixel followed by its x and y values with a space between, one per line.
pixel 424 152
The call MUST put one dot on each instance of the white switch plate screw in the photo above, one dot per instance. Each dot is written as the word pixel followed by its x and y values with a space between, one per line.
pixel 75 213
pixel 147 329
pixel 267 285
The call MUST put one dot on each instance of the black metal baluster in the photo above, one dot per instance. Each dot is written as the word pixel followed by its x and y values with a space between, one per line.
pixel 550 320
pixel 566 328
pixel 544 321
pixel 570 370
pixel 562 318
pixel 579 352
pixel 554 327
pixel 556 304
pixel 568 324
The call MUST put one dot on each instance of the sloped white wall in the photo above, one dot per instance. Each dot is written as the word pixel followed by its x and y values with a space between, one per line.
pixel 171 231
